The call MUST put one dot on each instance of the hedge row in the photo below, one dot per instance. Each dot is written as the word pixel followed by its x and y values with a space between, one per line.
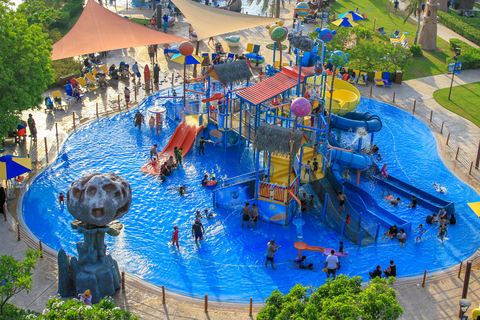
pixel 460 27
pixel 470 56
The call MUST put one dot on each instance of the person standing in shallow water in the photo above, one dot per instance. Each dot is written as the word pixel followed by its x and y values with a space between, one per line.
pixel 175 237
pixel 271 249
pixel 246 214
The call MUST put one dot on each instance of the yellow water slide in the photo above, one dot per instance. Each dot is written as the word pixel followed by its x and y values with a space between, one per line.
pixel 345 98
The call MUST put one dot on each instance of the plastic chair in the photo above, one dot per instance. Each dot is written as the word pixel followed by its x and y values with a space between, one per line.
pixel 378 79
pixel 230 57
pixel 256 49
pixel 91 81
pixel 69 91
pixel 61 104
pixel 381 30
pixel 360 80
pixel 386 79
pixel 249 48
pixel 214 55
pixel 49 105
pixel 395 34
pixel 356 73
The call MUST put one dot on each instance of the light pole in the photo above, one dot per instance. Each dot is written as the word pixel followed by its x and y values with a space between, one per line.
pixel 457 53
pixel 464 305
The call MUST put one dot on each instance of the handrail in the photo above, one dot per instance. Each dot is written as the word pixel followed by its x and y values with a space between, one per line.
pixel 331 147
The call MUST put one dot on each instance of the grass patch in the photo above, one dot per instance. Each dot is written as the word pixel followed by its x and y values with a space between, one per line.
pixel 431 63
pixel 143 22
pixel 270 46
pixel 463 101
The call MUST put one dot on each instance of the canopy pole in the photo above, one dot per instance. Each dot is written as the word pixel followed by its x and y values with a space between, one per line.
pixel 184 85
pixel 196 52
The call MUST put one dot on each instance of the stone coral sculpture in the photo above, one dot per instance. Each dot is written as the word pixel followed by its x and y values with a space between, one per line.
pixel 96 200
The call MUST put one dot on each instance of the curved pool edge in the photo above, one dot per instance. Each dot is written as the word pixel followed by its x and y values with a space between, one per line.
pixel 146 286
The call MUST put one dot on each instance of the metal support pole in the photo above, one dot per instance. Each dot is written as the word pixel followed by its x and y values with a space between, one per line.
pixel 123 281
pixel 441 129
pixel 119 104
pixel 163 294
pixel 424 278
pixel 431 115
pixel 448 138
pixel 456 155
pixel 56 134
pixel 466 281
pixel 73 119
pixel 97 110
pixel 206 303
pixel 393 97
pixel 41 249
pixel 18 231
pixel 478 156
pixel 460 269
pixel 451 83
pixel 371 89
pixel 414 105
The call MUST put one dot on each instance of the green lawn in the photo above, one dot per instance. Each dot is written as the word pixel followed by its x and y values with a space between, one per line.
pixel 432 63
pixel 143 22
pixel 463 101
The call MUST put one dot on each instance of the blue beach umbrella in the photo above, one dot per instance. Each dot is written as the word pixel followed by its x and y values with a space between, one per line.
pixel 344 22
pixel 12 166
pixel 352 16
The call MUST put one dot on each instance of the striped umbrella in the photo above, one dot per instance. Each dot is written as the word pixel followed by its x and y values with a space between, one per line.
pixel 344 22
pixel 191 59
pixel 352 16
pixel 12 166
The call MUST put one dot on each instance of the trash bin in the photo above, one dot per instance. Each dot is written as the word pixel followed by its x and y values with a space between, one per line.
pixel 66 79
pixel 398 77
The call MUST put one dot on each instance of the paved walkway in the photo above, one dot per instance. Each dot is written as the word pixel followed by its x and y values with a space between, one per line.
pixel 438 300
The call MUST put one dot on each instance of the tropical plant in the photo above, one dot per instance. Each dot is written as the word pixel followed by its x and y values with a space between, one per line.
pixel 414 7
pixel 416 50
pixel 339 299
pixel 58 309
pixel 16 276
pixel 379 56
pixel 274 6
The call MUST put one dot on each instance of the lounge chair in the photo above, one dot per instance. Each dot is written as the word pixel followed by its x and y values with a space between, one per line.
pixel 82 83
pixel 69 92
pixel 256 49
pixel 58 101
pixel 92 82
pixel 378 79
pixel 106 72
pixel 214 55
pixel 357 73
pixel 381 30
pixel 230 57
pixel 386 79
pixel 249 48
pixel 360 79
pixel 395 34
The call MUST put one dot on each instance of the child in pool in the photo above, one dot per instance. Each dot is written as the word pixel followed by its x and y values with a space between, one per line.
pixel 151 122
pixel 421 231
pixel 61 198
pixel 175 237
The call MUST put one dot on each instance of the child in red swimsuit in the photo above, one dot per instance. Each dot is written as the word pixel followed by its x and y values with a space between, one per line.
pixel 175 236
pixel 61 198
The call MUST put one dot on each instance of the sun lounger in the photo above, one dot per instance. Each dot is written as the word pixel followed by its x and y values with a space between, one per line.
pixel 386 79
pixel 378 79
pixel 357 73
pixel 381 30
pixel 360 80
pixel 83 83
pixel 249 48
pixel 61 104
pixel 395 34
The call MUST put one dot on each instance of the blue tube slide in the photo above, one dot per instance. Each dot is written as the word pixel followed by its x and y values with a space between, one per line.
pixel 350 160
pixel 354 120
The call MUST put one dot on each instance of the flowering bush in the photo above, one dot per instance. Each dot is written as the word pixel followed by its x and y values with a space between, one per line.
pixel 379 56
pixel 75 309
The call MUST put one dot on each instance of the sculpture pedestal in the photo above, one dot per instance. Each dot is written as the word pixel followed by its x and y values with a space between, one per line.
pixel 94 269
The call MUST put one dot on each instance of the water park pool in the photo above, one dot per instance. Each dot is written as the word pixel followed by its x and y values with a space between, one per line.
pixel 228 264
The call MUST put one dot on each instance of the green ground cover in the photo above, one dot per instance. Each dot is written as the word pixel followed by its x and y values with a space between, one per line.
pixel 142 22
pixel 432 63
pixel 463 101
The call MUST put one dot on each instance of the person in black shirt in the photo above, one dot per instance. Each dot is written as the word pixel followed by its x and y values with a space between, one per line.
pixel 376 273
pixel 391 271
pixel 452 220
pixel 431 218
pixel 201 145
pixel 391 233
pixel 414 203
pixel 205 180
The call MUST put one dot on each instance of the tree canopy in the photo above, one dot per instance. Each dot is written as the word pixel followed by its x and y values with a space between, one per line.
pixel 342 299
pixel 25 66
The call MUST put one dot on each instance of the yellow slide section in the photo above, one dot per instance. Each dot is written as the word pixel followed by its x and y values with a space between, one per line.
pixel 345 98
pixel 280 167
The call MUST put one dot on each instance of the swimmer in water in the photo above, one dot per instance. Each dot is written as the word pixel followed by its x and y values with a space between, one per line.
pixel 384 172
pixel 390 197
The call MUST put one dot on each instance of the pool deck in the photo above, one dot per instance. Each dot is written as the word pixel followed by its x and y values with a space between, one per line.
pixel 437 300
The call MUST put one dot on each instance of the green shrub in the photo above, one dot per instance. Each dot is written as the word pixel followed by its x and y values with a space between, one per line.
pixel 416 50
pixel 469 57
pixel 10 312
pixel 457 43
pixel 462 28
pixel 64 67
pixel 363 33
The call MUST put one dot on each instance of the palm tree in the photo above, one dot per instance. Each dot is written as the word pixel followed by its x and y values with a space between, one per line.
pixel 414 7
pixel 274 6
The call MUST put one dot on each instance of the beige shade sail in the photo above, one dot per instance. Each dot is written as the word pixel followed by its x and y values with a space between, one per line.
pixel 209 21
pixel 99 29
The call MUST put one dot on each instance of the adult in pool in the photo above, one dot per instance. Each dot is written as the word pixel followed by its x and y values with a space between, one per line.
pixel 198 230
pixel 341 201
pixel 254 214
pixel 175 237
pixel 271 249
pixel 205 180
pixel 139 118
pixel 414 203
pixel 390 197
pixel 165 170
pixel 246 214
pixel 391 233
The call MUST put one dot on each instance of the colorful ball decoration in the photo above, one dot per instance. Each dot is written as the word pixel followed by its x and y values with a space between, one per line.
pixel 302 9
pixel 186 48
pixel 338 58
pixel 279 34
pixel 301 107
pixel 325 35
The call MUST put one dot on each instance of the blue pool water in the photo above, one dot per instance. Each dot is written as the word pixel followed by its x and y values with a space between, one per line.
pixel 228 265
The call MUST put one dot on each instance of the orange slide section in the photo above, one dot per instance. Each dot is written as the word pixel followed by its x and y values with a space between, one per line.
pixel 184 137
pixel 301 246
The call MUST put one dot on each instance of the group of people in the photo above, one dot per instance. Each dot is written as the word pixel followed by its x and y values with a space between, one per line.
pixel 198 230
pixel 443 220
pixel 391 271
pixel 394 233
pixel 250 214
